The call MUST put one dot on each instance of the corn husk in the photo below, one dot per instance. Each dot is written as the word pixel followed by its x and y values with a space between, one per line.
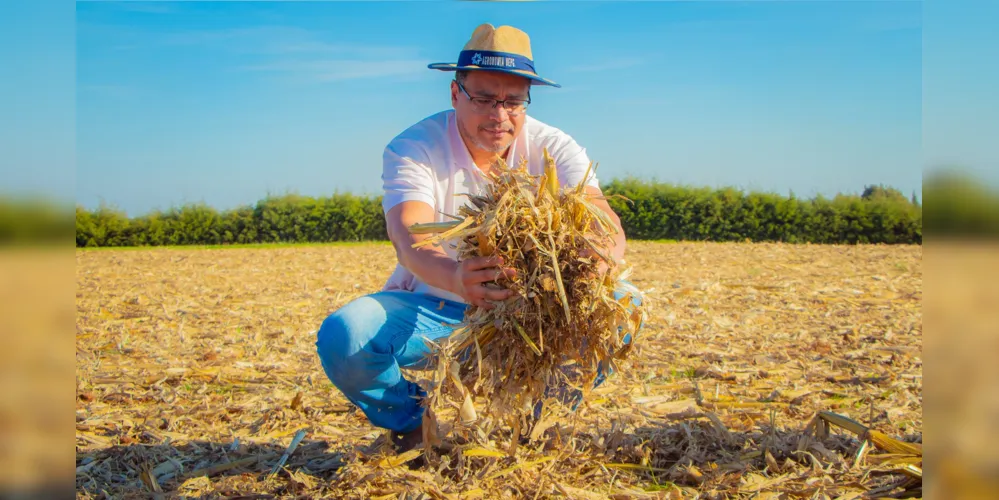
pixel 563 321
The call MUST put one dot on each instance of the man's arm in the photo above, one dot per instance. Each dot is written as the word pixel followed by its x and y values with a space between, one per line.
pixel 619 243
pixel 434 267
pixel 617 251
pixel 429 262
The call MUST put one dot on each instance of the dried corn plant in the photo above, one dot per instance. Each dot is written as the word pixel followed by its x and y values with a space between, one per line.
pixel 563 327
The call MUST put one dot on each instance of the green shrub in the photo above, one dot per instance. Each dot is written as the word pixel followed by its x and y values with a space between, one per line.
pixel 656 211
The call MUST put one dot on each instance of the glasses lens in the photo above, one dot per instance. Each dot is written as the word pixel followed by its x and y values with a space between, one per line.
pixel 483 104
pixel 515 106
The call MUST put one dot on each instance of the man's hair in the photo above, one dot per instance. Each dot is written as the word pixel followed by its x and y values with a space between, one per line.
pixel 460 75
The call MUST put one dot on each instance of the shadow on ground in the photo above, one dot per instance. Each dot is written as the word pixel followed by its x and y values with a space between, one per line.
pixel 699 454
pixel 692 454
pixel 210 469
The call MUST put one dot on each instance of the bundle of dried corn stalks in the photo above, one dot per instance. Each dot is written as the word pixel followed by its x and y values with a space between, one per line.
pixel 560 327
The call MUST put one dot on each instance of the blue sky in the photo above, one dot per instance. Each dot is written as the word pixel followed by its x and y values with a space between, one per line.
pixel 224 102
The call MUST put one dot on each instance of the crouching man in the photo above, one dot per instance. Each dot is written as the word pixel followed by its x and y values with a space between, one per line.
pixel 364 344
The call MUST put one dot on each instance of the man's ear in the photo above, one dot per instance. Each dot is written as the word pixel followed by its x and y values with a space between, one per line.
pixel 454 94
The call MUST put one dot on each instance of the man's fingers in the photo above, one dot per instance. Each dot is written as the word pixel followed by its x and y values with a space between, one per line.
pixel 477 263
pixel 481 302
pixel 484 275
pixel 490 274
pixel 479 270
pixel 496 294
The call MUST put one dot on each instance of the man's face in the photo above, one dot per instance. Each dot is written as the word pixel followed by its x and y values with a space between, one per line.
pixel 490 128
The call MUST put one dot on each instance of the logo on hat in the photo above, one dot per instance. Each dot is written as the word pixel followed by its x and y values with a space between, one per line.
pixel 477 59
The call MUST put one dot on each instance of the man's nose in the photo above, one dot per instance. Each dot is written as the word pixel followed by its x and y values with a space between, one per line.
pixel 499 112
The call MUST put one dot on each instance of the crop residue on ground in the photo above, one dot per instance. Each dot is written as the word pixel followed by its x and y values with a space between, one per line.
pixel 196 368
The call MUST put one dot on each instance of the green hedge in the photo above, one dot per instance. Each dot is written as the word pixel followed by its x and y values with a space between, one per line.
pixel 663 211
pixel 655 211
pixel 961 205
pixel 292 218
pixel 33 219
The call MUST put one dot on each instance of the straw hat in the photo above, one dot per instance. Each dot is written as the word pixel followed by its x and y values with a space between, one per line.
pixel 505 49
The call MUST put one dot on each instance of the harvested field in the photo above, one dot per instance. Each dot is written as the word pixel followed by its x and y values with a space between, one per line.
pixel 196 369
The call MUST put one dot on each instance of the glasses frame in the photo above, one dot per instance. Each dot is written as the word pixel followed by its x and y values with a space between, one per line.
pixel 492 103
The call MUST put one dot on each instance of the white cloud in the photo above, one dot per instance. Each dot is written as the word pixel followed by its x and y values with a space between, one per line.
pixel 109 90
pixel 610 64
pixel 253 38
pixel 278 40
pixel 290 51
pixel 332 70
pixel 145 7
pixel 348 49
pixel 898 23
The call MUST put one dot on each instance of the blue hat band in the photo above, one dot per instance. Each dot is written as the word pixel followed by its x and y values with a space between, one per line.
pixel 498 60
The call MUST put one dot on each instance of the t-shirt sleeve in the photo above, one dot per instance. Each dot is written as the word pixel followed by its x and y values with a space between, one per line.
pixel 571 160
pixel 406 175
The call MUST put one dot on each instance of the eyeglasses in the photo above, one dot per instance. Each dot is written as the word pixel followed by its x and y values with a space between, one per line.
pixel 513 107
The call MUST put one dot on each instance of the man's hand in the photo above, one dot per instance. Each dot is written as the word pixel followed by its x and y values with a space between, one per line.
pixel 602 266
pixel 472 281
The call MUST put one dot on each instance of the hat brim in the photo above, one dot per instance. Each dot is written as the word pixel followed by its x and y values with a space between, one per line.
pixel 519 72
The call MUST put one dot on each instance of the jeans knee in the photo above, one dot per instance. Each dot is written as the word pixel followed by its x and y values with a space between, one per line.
pixel 345 332
pixel 332 330
pixel 333 342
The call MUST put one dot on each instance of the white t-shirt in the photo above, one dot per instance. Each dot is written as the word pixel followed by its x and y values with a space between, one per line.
pixel 429 162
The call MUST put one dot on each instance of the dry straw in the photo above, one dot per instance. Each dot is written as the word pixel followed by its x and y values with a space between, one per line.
pixel 562 328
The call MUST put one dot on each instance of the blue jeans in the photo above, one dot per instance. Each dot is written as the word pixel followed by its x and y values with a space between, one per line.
pixel 363 345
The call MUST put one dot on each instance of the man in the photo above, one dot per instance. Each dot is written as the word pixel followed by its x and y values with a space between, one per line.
pixel 426 169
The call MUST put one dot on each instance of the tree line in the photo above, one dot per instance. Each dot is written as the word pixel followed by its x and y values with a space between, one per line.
pixel 275 219
pixel 663 211
pixel 652 211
